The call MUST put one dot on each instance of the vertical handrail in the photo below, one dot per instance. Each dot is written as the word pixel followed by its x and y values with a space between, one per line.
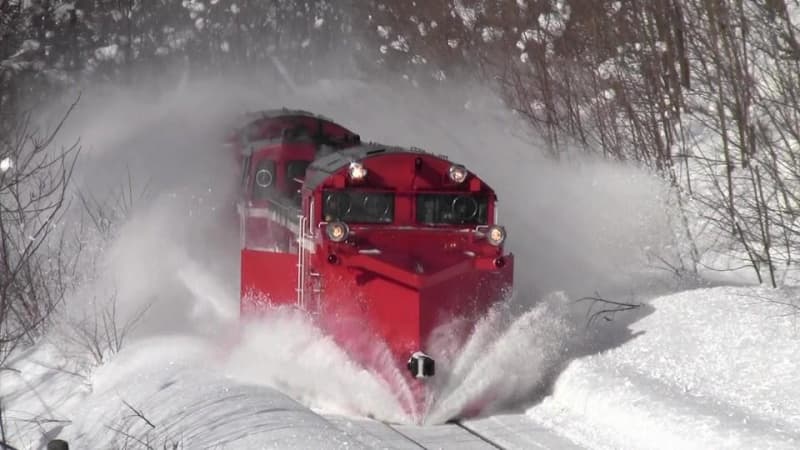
pixel 315 291
pixel 302 251
pixel 301 263
pixel 311 219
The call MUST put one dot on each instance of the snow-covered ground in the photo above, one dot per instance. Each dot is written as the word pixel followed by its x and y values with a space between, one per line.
pixel 709 368
pixel 159 392
pixel 706 368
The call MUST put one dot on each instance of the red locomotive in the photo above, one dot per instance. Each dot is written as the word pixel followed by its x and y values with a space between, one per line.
pixel 377 243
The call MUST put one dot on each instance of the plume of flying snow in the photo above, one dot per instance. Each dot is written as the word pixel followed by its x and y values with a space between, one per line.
pixel 286 350
pixel 575 227
pixel 507 358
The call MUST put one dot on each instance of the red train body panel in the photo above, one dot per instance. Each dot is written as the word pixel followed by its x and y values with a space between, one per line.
pixel 381 245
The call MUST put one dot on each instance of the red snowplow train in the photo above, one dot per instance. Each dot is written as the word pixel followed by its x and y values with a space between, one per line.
pixel 377 243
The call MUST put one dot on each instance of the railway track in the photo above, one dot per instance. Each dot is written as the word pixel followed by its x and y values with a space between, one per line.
pixel 483 438
pixel 513 431
pixel 451 435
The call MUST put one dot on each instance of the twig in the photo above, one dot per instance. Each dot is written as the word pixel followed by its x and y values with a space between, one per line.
pixel 130 436
pixel 614 307
pixel 139 414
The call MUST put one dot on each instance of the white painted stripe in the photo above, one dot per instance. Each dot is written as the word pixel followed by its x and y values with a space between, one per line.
pixel 278 218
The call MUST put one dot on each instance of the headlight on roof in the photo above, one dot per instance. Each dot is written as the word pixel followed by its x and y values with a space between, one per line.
pixel 496 235
pixel 337 231
pixel 457 173
pixel 357 171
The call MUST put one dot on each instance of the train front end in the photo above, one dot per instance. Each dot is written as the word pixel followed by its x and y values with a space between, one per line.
pixel 406 256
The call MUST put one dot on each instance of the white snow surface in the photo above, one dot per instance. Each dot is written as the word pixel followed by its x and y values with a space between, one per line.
pixel 171 381
pixel 707 368
pixel 711 368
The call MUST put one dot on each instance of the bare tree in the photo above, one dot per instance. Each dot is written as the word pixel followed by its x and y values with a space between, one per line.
pixel 34 261
pixel 99 331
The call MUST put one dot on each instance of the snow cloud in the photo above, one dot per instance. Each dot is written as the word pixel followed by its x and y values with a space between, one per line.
pixel 575 227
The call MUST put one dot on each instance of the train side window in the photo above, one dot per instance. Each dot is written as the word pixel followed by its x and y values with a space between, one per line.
pixel 295 170
pixel 246 172
pixel 264 180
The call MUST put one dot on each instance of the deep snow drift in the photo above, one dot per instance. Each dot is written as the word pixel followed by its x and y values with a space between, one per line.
pixel 577 228
pixel 711 368
pixel 158 393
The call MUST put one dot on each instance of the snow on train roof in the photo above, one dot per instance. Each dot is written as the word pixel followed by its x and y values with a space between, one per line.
pixel 250 117
pixel 252 140
pixel 325 166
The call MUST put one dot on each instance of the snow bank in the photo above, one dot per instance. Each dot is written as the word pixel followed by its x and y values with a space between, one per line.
pixel 711 368
pixel 158 392
pixel 194 407
pixel 39 393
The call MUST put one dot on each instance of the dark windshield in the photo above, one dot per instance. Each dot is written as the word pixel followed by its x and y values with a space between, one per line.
pixel 358 206
pixel 452 209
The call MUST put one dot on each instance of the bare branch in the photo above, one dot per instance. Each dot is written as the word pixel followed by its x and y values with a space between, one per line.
pixel 608 308
pixel 138 413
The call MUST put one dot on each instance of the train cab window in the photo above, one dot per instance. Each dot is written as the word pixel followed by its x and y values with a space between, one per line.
pixel 245 172
pixel 358 206
pixel 452 209
pixel 264 180
pixel 295 170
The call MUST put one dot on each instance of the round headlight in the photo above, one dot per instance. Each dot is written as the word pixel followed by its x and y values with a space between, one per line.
pixel 357 171
pixel 496 235
pixel 457 173
pixel 337 231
